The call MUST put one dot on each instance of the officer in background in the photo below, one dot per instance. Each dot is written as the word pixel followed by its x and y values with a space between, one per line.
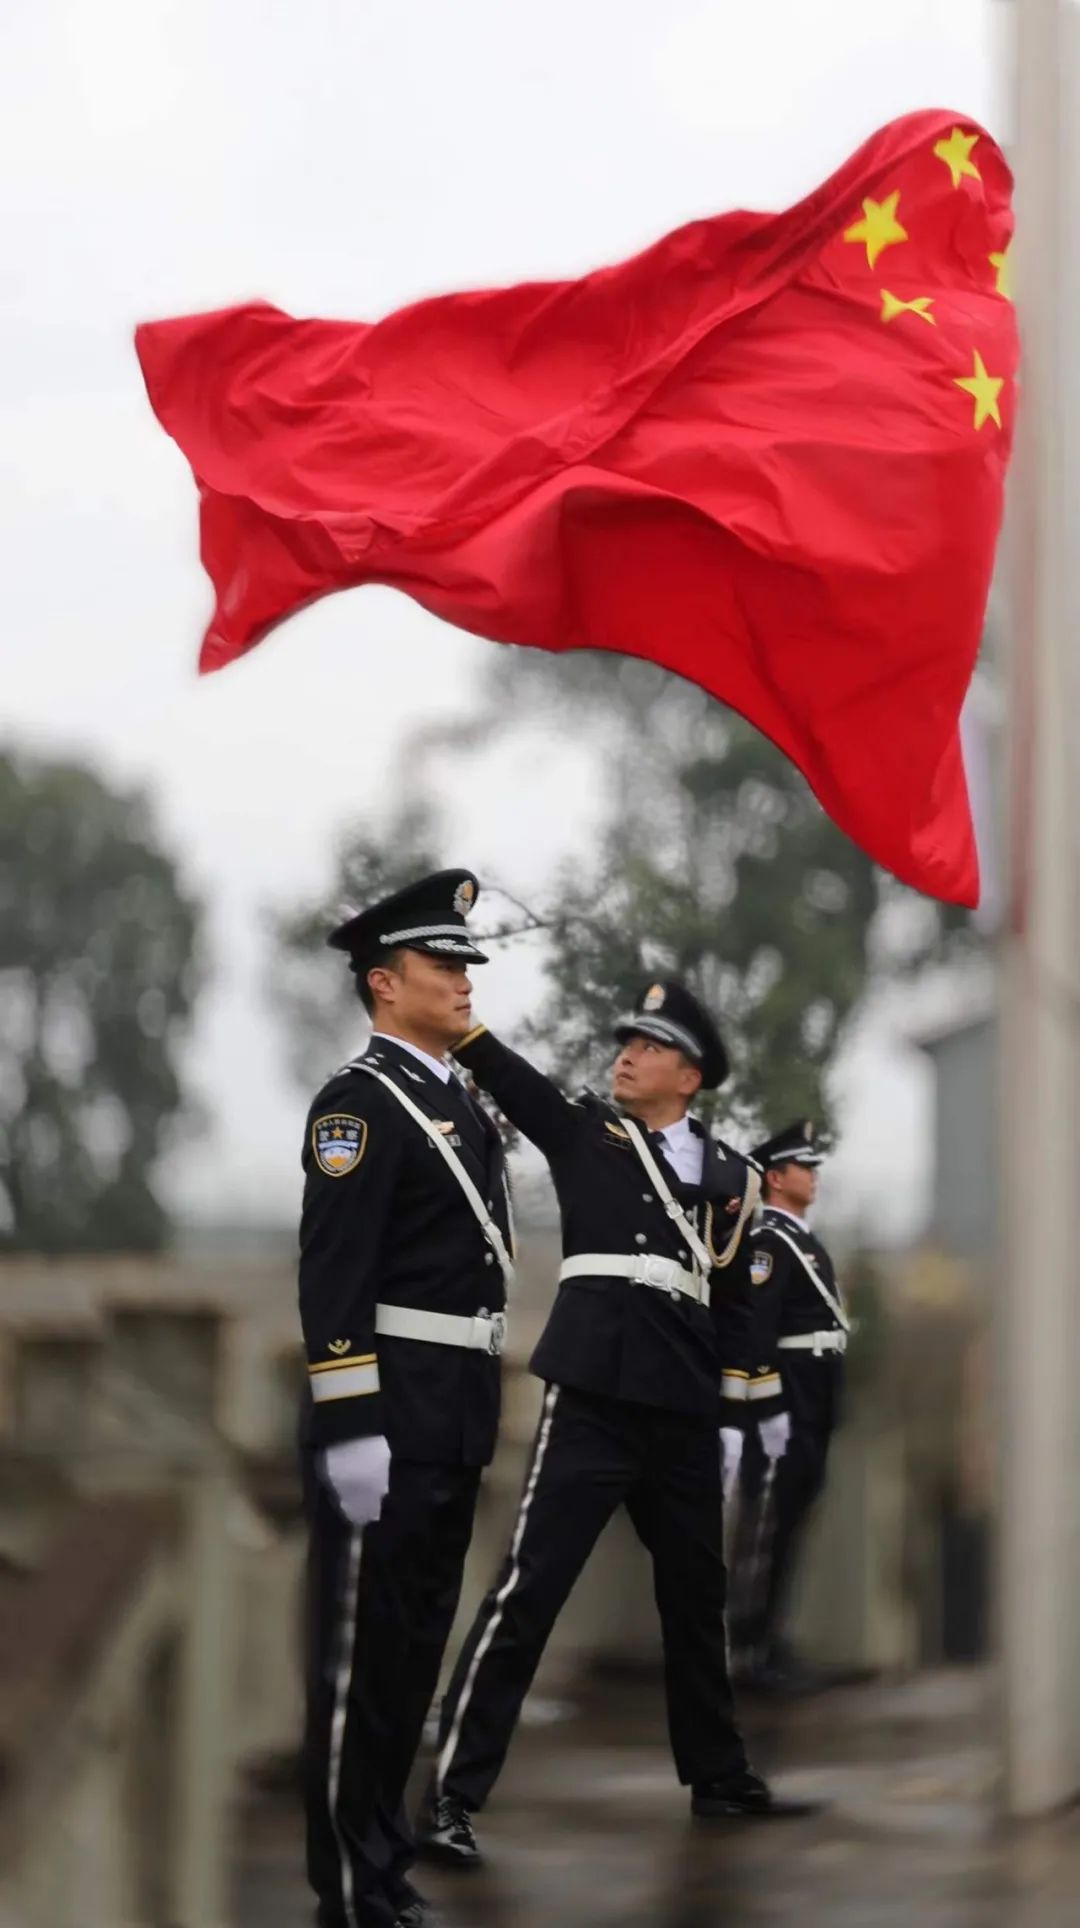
pixel 645 1348
pixel 800 1329
pixel 405 1255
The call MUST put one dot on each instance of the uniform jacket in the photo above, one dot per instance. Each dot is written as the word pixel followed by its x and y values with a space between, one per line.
pixel 385 1220
pixel 786 1300
pixel 607 1335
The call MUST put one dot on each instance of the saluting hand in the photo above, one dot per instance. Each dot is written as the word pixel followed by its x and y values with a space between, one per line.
pixel 357 1472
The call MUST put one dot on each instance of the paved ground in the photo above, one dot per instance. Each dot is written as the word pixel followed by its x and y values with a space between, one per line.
pixel 587 1828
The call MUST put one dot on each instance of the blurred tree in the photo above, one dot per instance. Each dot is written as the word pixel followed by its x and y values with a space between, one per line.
pixel 715 863
pixel 314 994
pixel 97 977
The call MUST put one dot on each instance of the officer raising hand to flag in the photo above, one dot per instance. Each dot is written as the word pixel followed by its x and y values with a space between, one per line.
pixel 644 1353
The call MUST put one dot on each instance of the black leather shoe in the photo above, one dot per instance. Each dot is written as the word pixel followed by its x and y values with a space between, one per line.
pixel 445 1834
pixel 747 1799
pixel 774 1680
pixel 416 1914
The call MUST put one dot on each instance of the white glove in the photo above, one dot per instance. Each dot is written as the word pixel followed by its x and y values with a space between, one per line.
pixel 731 1445
pixel 357 1471
pixel 774 1435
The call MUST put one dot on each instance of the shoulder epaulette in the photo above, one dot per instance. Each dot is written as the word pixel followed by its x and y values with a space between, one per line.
pixel 592 1099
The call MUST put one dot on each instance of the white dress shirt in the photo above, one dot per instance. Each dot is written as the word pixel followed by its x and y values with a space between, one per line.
pixel 684 1150
pixel 438 1065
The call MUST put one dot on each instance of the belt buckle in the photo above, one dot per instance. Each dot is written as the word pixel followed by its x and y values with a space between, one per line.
pixel 656 1271
pixel 498 1333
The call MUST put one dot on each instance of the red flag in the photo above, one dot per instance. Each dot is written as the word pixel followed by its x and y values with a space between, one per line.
pixel 768 453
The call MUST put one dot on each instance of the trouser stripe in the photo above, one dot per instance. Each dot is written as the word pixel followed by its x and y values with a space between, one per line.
pixel 543 1434
pixel 342 1686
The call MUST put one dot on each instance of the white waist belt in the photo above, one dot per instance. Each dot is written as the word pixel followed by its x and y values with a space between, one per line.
pixel 815 1342
pixel 484 1333
pixel 641 1268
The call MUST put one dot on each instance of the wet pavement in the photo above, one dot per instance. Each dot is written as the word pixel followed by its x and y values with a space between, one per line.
pixel 588 1828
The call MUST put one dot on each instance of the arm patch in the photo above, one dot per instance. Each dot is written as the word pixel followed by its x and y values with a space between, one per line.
pixel 761 1265
pixel 339 1141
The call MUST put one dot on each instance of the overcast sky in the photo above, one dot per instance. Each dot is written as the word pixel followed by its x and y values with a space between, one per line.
pixel 340 157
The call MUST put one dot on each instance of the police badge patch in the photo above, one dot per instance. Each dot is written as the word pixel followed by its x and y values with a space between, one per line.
pixel 760 1267
pixel 339 1142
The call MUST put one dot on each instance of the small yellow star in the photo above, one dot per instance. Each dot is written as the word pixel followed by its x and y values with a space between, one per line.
pixel 879 227
pixel 985 389
pixel 1003 263
pixel 956 154
pixel 891 306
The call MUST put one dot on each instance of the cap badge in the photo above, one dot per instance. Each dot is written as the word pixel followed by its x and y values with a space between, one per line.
pixel 654 998
pixel 808 1131
pixel 464 897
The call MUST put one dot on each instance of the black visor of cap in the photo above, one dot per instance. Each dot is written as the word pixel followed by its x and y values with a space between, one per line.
pixel 662 1031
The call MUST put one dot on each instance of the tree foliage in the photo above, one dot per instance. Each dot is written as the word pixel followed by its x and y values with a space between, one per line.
pixel 714 863
pixel 98 972
pixel 313 991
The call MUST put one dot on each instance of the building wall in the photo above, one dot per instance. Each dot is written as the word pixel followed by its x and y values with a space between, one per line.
pixel 965 1140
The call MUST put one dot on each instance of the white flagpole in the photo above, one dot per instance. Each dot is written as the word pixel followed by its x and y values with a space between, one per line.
pixel 1039 1298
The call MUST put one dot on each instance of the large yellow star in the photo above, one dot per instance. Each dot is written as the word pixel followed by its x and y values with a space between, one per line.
pixel 956 154
pixel 1003 263
pixel 891 306
pixel 985 389
pixel 879 227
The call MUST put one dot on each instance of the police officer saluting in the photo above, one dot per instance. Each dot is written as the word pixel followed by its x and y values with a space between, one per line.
pixel 651 1319
pixel 801 1330
pixel 405 1255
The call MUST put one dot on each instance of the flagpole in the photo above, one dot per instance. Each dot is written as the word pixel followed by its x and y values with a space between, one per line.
pixel 1038 1325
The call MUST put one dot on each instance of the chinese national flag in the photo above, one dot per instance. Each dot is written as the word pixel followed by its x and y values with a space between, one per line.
pixel 767 453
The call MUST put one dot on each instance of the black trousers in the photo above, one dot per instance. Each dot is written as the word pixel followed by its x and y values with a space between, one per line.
pixel 590 1455
pixel 380 1607
pixel 775 1506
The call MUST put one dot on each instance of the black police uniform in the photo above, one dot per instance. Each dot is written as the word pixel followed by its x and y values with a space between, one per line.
pixel 800 1329
pixel 386 1224
pixel 630 1415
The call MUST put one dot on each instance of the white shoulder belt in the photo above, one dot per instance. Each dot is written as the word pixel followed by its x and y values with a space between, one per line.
pixel 448 1154
pixel 811 1271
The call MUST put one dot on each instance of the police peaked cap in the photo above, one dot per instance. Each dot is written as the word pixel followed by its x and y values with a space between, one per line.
pixel 667 1011
pixel 427 916
pixel 795 1145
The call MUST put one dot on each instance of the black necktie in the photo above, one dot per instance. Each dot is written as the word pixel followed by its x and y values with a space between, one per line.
pixel 467 1112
